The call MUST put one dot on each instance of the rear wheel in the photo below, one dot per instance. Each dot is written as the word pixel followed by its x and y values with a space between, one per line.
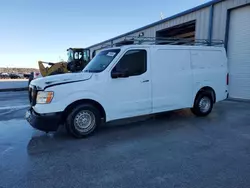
pixel 203 104
pixel 83 120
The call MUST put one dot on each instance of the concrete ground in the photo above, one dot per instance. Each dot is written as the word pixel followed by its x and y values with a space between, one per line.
pixel 13 84
pixel 174 149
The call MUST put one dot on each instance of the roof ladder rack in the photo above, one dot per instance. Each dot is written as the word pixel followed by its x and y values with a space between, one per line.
pixel 168 41
pixel 135 40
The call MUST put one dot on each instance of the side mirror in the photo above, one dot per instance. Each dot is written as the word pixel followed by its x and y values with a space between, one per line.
pixel 120 74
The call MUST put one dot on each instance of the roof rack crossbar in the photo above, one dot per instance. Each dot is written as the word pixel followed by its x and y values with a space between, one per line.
pixel 173 41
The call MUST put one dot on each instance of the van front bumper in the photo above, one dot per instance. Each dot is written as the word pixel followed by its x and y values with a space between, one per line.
pixel 44 122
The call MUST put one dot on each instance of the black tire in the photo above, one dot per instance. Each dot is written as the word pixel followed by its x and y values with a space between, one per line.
pixel 74 118
pixel 197 108
pixel 68 130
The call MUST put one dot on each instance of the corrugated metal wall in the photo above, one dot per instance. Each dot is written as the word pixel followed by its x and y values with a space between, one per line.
pixel 201 17
pixel 202 22
pixel 220 16
pixel 99 47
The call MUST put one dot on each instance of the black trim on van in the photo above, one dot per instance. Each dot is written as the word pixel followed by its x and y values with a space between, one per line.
pixel 57 84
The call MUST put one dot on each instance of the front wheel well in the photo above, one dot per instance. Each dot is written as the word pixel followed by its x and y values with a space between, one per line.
pixel 208 90
pixel 97 105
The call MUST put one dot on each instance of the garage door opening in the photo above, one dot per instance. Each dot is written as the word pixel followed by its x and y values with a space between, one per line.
pixel 239 53
pixel 183 31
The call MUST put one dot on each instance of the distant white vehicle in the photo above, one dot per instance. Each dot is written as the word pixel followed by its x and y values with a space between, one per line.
pixel 129 81
pixel 4 74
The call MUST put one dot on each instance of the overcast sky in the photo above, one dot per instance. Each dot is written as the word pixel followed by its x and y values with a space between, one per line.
pixel 33 30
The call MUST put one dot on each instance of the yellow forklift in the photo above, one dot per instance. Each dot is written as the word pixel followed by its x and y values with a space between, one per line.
pixel 78 58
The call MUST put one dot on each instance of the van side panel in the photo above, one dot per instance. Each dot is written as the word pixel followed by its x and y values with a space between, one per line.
pixel 210 69
pixel 172 80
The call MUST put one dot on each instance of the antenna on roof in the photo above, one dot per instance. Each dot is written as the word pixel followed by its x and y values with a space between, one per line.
pixel 162 16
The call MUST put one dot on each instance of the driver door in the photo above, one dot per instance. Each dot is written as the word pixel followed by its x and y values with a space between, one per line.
pixel 130 93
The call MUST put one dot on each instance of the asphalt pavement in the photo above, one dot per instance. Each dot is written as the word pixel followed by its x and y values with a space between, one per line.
pixel 13 105
pixel 174 149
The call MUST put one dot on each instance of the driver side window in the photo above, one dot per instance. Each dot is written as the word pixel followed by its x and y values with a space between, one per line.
pixel 134 62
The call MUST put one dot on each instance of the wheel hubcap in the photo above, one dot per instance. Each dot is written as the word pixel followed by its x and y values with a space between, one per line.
pixel 205 104
pixel 84 121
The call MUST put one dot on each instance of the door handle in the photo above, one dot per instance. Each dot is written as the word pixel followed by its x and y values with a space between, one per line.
pixel 144 81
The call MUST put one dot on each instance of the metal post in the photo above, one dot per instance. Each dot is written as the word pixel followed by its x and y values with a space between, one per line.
pixel 210 26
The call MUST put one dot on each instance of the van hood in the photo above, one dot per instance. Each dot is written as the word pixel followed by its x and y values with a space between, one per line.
pixel 49 81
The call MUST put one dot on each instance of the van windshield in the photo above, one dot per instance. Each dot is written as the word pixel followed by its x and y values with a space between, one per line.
pixel 101 61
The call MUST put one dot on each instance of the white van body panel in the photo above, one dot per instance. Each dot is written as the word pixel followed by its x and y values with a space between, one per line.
pixel 210 69
pixel 43 82
pixel 130 96
pixel 173 77
pixel 64 96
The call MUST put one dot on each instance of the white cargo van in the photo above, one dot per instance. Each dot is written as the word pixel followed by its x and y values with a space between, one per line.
pixel 129 81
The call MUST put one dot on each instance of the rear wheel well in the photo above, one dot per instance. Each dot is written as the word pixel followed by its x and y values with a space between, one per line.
pixel 208 90
pixel 97 105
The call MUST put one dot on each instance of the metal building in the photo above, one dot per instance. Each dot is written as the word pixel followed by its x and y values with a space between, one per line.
pixel 227 20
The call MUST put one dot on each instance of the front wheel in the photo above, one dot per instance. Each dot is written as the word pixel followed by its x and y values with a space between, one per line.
pixel 83 120
pixel 203 105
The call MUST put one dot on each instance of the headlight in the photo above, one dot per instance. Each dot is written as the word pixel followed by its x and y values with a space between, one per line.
pixel 44 97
